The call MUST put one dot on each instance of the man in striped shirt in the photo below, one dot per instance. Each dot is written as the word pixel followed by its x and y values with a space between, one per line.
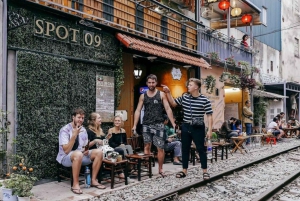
pixel 194 105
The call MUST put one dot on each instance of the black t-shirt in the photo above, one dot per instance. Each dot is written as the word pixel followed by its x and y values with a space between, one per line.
pixel 117 139
pixel 91 136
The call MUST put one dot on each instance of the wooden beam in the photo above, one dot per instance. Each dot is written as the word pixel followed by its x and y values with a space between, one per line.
pixel 223 24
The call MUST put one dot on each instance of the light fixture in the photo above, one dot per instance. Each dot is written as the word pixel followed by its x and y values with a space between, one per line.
pixel 236 12
pixel 275 99
pixel 151 58
pixel 187 66
pixel 137 73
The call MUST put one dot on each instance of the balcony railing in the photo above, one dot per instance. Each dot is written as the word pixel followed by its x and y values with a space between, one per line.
pixel 143 19
pixel 224 46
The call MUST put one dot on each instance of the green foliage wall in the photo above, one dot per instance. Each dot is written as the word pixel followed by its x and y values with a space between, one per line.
pixel 49 87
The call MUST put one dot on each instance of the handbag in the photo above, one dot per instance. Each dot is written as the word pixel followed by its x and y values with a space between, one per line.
pixel 196 121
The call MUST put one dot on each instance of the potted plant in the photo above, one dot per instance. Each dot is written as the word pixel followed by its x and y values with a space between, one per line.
pixel 230 61
pixel 235 80
pixel 225 76
pixel 210 83
pixel 247 82
pixel 214 56
pixel 7 192
pixel 21 181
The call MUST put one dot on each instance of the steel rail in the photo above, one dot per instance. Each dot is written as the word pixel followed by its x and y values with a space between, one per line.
pixel 186 188
pixel 276 188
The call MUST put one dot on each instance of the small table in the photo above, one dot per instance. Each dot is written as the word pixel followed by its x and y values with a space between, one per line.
pixel 286 130
pixel 239 143
pixel 114 167
pixel 223 145
pixel 136 159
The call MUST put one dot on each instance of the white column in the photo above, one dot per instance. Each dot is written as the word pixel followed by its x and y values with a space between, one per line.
pixel 11 97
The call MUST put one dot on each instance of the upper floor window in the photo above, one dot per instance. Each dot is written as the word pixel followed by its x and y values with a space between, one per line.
pixel 264 15
pixel 296 50
pixel 271 67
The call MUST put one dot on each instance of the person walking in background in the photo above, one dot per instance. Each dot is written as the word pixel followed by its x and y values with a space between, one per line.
pixel 194 106
pixel 248 119
pixel 154 101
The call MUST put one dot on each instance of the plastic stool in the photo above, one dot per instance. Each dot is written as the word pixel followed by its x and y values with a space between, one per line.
pixel 271 139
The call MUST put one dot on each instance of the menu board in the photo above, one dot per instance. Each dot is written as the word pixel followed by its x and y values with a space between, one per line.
pixel 105 99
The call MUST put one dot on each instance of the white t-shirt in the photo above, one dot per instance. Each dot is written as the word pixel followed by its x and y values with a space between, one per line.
pixel 65 134
pixel 272 126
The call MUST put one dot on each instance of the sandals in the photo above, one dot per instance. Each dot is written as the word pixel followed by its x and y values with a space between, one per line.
pixel 77 191
pixel 163 175
pixel 99 186
pixel 206 176
pixel 180 174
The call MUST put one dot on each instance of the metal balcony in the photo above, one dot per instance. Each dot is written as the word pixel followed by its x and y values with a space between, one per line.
pixel 223 45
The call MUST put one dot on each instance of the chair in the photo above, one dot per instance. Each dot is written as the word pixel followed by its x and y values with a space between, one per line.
pixel 139 161
pixel 114 168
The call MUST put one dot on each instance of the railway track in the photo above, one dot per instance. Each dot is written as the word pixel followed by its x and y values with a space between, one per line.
pixel 259 179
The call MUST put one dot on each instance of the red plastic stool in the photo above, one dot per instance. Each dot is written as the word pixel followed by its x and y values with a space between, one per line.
pixel 272 139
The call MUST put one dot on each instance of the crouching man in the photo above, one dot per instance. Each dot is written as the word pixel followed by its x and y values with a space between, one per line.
pixel 73 139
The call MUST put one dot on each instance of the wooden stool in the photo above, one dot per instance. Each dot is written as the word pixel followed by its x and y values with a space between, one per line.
pixel 223 146
pixel 114 167
pixel 136 160
pixel 214 154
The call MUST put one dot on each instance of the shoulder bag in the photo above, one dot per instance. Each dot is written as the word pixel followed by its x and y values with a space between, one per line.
pixel 195 121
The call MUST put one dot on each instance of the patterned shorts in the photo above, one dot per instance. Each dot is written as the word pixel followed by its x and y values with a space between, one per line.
pixel 155 133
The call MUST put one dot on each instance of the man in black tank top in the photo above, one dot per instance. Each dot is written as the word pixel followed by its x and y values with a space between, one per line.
pixel 153 128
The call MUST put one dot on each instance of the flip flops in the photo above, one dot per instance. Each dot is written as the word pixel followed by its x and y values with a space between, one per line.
pixel 99 186
pixel 77 191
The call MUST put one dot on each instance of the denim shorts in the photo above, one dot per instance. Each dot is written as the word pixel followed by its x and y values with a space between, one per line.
pixel 86 160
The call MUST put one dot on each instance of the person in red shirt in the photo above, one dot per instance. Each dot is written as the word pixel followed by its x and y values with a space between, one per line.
pixel 244 41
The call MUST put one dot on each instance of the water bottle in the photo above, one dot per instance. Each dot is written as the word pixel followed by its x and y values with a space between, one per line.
pixel 209 149
pixel 87 177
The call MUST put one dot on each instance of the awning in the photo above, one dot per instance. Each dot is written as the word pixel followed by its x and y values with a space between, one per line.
pixel 259 93
pixel 157 50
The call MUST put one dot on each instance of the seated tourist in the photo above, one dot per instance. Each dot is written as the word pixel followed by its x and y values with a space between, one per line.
pixel 95 133
pixel 237 126
pixel 294 124
pixel 119 138
pixel 274 128
pixel 171 142
pixel 73 151
pixel 226 129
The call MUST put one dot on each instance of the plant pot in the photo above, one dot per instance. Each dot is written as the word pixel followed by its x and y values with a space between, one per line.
pixel 7 195
pixel 113 160
pixel 23 198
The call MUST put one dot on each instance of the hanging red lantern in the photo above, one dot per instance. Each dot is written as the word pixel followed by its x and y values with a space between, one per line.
pixel 224 5
pixel 247 18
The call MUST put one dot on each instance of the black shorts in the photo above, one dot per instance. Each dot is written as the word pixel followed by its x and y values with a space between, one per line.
pixel 277 132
